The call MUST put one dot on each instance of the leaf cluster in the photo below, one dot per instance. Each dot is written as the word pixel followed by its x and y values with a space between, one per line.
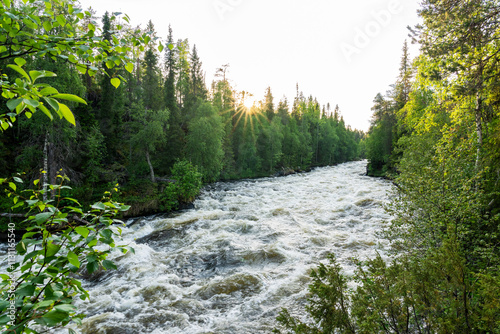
pixel 62 240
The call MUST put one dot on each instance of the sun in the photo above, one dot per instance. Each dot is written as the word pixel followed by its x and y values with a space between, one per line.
pixel 249 101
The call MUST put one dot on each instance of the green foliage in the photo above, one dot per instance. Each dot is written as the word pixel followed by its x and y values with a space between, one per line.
pixel 329 304
pixel 438 139
pixel 379 145
pixel 185 186
pixel 434 293
pixel 60 241
pixel 54 30
pixel 204 141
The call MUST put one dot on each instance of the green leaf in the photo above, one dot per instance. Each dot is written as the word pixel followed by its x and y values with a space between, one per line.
pixel 43 217
pixel 73 259
pixel 30 255
pixel 26 291
pixel 52 102
pixel 129 67
pixel 30 24
pixel 61 20
pixel 30 102
pixel 20 71
pixel 12 104
pixel 92 266
pixel 41 74
pixel 99 206
pixel 13 186
pixel 4 319
pixel 29 235
pixel 4 125
pixel 54 317
pixel 48 91
pixel 107 233
pixel 44 304
pixel 125 207
pixel 12 16
pixel 46 111
pixel 21 248
pixel 81 68
pixel 20 61
pixel 115 82
pixel 69 97
pixel 83 231
pixel 52 250
pixel 3 305
pixel 67 308
pixel 47 25
pixel 107 264
pixel 66 112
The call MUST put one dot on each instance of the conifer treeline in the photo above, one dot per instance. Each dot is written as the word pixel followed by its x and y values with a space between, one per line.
pixel 163 113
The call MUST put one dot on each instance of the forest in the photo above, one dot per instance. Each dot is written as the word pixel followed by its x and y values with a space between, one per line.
pixel 163 120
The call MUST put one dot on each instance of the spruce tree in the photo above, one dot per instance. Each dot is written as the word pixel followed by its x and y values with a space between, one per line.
pixel 176 135
pixel 151 76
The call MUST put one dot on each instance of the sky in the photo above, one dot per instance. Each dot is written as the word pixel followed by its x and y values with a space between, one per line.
pixel 340 52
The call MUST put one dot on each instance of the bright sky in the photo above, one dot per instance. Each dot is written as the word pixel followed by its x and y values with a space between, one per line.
pixel 341 52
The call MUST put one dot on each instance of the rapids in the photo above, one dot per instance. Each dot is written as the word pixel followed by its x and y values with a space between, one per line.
pixel 245 251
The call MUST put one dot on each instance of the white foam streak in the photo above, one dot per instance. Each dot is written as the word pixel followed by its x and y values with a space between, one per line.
pixel 245 251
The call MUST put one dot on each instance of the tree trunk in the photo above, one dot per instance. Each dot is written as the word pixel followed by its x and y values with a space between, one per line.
pixel 479 130
pixel 151 170
pixel 45 175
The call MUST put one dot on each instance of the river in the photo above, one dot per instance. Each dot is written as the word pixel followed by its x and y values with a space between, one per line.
pixel 245 251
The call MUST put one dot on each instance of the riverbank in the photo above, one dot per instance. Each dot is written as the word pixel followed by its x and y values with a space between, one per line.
pixel 143 196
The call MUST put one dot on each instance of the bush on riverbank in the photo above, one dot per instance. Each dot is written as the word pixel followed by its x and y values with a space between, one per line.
pixel 185 187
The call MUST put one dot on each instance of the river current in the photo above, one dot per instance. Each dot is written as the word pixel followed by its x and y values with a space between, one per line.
pixel 244 252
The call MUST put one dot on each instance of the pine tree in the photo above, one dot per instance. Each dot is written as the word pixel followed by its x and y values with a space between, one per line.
pixel 151 76
pixel 176 135
pixel 183 85
pixel 198 88
pixel 170 70
pixel 268 105
pixel 223 99
pixel 107 113
pixel 403 83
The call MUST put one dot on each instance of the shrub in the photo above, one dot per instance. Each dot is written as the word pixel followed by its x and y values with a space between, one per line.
pixel 39 290
pixel 184 188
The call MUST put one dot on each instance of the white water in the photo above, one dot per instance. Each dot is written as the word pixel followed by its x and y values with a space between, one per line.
pixel 244 252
